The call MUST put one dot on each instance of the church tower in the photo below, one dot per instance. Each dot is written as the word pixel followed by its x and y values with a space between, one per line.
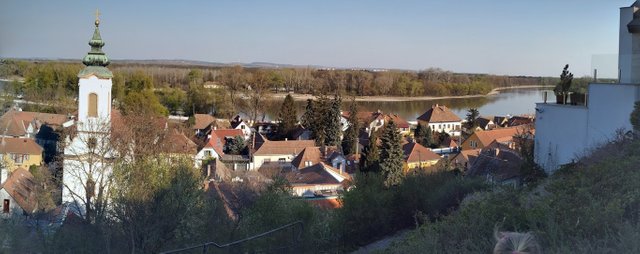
pixel 88 154
pixel 94 97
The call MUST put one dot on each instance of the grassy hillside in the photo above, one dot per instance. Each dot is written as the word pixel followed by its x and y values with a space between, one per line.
pixel 590 207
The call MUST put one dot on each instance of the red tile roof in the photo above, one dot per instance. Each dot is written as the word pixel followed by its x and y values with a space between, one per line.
pixel 414 152
pixel 202 121
pixel 228 133
pixel 20 186
pixel 177 142
pixel 215 143
pixel 20 146
pixel 399 121
pixel 15 123
pixel 439 114
pixel 284 147
pixel 486 137
pixel 366 117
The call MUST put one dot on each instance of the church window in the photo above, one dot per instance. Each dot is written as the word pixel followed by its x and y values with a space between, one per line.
pixel 93 105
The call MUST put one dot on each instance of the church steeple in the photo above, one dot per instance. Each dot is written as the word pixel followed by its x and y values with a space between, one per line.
pixel 96 60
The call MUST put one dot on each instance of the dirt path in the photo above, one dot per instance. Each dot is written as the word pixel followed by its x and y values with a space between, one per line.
pixel 304 97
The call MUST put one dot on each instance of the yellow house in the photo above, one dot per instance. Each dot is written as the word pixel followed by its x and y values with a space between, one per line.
pixel 20 152
pixel 418 156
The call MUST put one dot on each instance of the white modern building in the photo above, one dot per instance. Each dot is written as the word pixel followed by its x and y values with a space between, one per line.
pixel 564 133
pixel 88 153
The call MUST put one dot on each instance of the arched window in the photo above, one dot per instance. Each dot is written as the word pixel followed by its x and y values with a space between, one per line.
pixel 93 105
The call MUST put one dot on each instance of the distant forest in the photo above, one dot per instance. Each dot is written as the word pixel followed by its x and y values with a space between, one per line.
pixel 223 91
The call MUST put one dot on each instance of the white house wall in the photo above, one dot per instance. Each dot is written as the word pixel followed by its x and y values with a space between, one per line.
pixel 560 133
pixel 564 133
pixel 14 208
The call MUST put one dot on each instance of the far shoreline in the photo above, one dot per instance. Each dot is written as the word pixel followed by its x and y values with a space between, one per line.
pixel 495 91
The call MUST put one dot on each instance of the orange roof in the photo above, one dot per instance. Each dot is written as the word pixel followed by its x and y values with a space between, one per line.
pixel 284 147
pixel 414 152
pixel 365 116
pixel 311 154
pixel 20 146
pixel 399 121
pixel 20 187
pixel 228 133
pixel 486 137
pixel 215 143
pixel 177 142
pixel 15 123
pixel 439 114
pixel 202 121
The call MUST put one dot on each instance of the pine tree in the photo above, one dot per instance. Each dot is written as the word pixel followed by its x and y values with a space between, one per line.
pixel 332 120
pixel 287 117
pixel 309 113
pixel 391 155
pixel 321 119
pixel 370 158
pixel 350 140
pixel 423 135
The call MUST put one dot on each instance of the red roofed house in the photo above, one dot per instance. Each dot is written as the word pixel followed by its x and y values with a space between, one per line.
pixel 279 151
pixel 418 156
pixel 440 118
pixel 317 180
pixel 481 139
pixel 403 125
pixel 314 155
pixel 18 153
pixel 27 124
pixel 215 146
pixel 371 121
pixel 203 123
pixel 17 194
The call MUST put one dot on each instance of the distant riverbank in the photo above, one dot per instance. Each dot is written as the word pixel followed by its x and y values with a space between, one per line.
pixel 304 97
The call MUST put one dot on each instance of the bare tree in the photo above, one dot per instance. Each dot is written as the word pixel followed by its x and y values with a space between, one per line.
pixel 88 161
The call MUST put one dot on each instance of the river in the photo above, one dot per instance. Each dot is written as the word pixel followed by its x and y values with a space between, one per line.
pixel 516 101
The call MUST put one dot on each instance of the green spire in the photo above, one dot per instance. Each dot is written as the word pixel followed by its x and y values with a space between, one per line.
pixel 96 60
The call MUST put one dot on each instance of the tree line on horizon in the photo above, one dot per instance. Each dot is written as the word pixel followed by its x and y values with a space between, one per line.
pixel 223 91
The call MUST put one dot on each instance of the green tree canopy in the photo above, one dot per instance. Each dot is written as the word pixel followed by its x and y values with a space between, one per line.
pixel 287 117
pixel 391 155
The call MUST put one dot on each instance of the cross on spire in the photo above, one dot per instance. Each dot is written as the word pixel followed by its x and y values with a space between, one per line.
pixel 97 17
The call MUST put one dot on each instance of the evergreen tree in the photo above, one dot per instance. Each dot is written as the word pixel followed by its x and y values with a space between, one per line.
pixel 391 155
pixel 321 120
pixel 370 158
pixel 350 140
pixel 332 121
pixel 307 118
pixel 287 117
pixel 235 145
pixel 424 136
pixel 472 119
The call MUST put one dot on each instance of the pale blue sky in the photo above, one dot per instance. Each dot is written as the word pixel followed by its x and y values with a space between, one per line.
pixel 515 37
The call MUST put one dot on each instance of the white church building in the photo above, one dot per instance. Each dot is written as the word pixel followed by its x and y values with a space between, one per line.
pixel 87 153
pixel 564 133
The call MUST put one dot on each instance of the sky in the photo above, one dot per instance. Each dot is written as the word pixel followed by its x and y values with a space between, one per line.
pixel 505 37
